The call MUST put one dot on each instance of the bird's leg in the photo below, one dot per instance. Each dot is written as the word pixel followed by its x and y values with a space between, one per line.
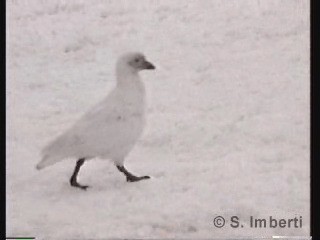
pixel 130 176
pixel 73 179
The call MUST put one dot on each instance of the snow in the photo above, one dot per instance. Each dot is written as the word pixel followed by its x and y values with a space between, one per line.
pixel 227 116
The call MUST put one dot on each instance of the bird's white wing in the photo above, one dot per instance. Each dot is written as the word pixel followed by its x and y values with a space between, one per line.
pixel 98 122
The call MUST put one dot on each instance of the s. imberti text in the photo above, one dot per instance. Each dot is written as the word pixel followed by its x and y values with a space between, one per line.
pixel 268 222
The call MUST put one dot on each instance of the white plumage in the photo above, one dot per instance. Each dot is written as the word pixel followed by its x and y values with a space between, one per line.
pixel 112 127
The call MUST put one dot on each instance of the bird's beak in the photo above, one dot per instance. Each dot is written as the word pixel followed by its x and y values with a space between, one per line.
pixel 148 65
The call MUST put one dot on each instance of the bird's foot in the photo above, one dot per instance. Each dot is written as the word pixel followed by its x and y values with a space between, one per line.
pixel 133 178
pixel 130 176
pixel 83 187
pixel 74 183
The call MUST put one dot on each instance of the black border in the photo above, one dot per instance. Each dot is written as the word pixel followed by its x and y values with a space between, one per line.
pixel 315 107
pixel 3 120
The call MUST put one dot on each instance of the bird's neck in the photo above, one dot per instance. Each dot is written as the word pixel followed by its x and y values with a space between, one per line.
pixel 128 80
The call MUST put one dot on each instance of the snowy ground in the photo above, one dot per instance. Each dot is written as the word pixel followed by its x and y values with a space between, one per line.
pixel 228 116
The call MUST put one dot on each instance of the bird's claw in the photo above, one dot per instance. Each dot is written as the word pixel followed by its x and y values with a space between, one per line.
pixel 74 183
pixel 84 187
pixel 136 179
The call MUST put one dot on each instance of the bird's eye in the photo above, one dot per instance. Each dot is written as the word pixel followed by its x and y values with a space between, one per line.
pixel 136 60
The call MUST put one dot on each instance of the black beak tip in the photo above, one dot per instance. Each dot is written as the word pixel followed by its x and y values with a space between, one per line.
pixel 150 66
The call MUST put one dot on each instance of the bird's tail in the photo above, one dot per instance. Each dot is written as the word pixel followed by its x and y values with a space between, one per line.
pixel 46 161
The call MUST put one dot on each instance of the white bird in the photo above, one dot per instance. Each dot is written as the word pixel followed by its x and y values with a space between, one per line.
pixel 111 128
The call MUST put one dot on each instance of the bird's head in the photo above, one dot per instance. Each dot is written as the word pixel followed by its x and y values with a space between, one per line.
pixel 134 62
